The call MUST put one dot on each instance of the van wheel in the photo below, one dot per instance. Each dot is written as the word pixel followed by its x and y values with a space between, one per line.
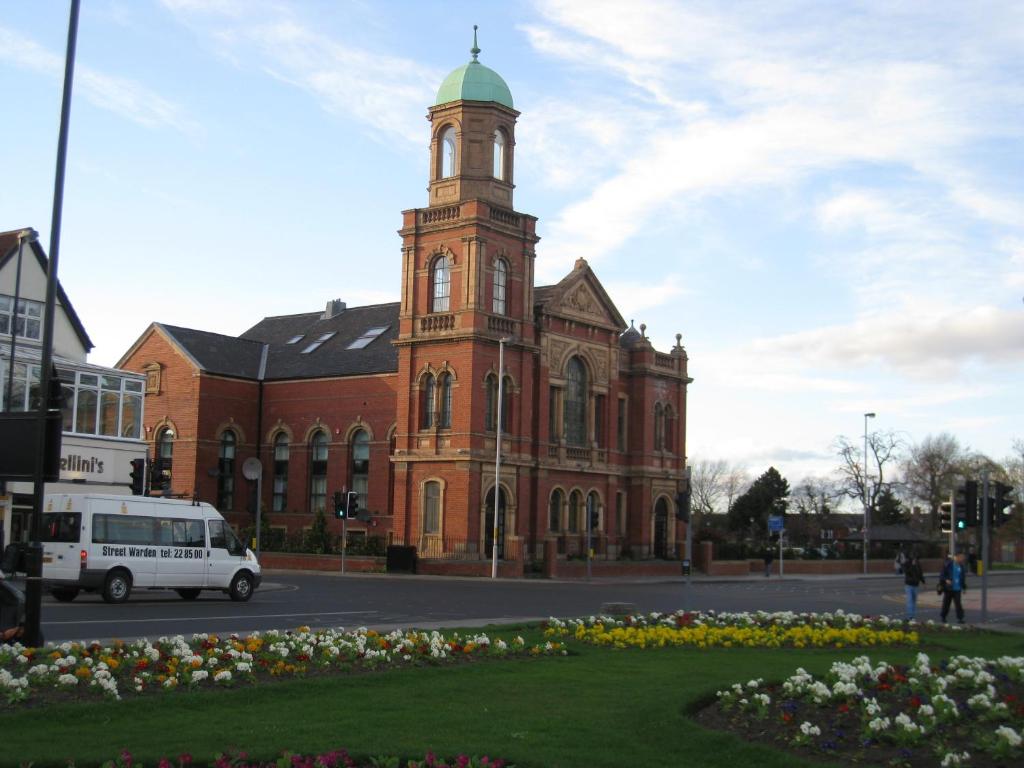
pixel 241 586
pixel 117 587
pixel 188 594
pixel 64 594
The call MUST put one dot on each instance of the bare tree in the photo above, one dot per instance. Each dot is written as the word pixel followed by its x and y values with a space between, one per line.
pixel 736 481
pixel 883 450
pixel 707 484
pixel 815 496
pixel 930 470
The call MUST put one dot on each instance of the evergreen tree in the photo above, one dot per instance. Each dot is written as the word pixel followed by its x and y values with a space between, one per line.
pixel 767 496
pixel 888 509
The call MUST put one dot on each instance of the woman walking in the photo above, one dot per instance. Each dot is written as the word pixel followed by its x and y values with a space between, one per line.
pixel 913 576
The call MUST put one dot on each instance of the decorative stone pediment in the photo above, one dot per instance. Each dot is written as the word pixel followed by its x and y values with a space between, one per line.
pixel 581 297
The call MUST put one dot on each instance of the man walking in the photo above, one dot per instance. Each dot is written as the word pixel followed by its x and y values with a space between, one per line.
pixel 912 577
pixel 954 582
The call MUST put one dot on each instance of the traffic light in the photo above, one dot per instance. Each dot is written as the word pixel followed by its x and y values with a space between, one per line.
pixel 351 504
pixel 945 517
pixel 965 505
pixel 138 475
pixel 339 504
pixel 683 505
pixel 1002 500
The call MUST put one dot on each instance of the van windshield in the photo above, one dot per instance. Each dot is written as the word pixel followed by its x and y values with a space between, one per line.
pixel 63 527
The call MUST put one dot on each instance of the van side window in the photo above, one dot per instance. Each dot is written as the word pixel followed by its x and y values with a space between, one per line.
pixel 124 529
pixel 217 537
pixel 189 533
pixel 63 527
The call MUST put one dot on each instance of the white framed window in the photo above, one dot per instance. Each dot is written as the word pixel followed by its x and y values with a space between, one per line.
pixel 448 153
pixel 500 283
pixel 440 285
pixel 27 320
pixel 499 155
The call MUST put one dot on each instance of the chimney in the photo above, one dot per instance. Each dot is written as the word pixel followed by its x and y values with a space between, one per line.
pixel 334 308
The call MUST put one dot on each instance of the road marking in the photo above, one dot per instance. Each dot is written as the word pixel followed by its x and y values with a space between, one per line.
pixel 215 618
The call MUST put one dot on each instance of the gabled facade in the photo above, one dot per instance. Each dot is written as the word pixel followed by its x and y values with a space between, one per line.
pixel 400 401
pixel 103 416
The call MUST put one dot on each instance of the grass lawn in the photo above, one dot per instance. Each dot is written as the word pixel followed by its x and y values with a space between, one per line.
pixel 597 708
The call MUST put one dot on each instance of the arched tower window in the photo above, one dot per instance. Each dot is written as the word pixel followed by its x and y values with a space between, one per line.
pixel 491 411
pixel 440 285
pixel 448 152
pixel 444 416
pixel 318 473
pixel 279 501
pixel 659 427
pixel 670 428
pixel 499 155
pixel 427 403
pixel 361 466
pixel 575 409
pixel 226 471
pixel 555 511
pixel 498 305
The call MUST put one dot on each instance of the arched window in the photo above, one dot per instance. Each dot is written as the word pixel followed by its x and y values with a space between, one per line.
pixel 594 512
pixel 432 507
pixel 575 507
pixel 669 428
pixel 499 155
pixel 164 457
pixel 575 410
pixel 226 471
pixel 444 416
pixel 427 404
pixel 448 152
pixel 361 466
pixel 659 427
pixel 500 281
pixel 440 285
pixel 318 473
pixel 279 501
pixel 555 511
pixel 491 404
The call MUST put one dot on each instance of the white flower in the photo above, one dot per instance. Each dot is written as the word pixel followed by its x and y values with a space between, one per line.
pixel 1010 736
pixel 879 724
pixel 222 676
pixel 809 729
pixel 955 759
pixel 68 680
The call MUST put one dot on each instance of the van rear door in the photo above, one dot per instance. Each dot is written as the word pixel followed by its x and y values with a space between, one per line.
pixel 61 535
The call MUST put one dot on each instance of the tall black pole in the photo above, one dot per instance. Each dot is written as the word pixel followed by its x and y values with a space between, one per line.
pixel 33 585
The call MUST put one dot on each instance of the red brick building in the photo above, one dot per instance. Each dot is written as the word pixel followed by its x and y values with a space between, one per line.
pixel 400 401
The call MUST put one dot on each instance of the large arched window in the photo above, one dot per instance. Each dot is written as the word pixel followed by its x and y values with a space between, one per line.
pixel 444 416
pixel 669 428
pixel 448 152
pixel 279 502
pixel 659 427
pixel 575 508
pixel 498 305
pixel 499 155
pixel 361 466
pixel 555 511
pixel 440 285
pixel 427 403
pixel 575 409
pixel 432 507
pixel 164 458
pixel 226 471
pixel 318 473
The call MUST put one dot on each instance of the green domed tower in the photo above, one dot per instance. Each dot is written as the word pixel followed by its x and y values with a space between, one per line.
pixel 472 136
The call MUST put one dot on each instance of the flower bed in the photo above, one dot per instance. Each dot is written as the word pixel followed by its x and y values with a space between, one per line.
pixel 962 712
pixel 74 670
pixel 725 630
pixel 338 758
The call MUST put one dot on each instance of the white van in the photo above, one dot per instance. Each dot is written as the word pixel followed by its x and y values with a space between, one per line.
pixel 116 543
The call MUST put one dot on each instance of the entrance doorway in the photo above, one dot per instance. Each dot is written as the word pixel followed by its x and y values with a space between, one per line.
pixel 489 525
pixel 661 529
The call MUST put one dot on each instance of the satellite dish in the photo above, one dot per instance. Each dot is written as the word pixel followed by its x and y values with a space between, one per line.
pixel 252 468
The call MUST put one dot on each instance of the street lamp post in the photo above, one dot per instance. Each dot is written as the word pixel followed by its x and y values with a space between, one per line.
pixel 497 457
pixel 864 495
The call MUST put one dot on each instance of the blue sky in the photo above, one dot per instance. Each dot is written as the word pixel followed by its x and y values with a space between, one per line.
pixel 826 200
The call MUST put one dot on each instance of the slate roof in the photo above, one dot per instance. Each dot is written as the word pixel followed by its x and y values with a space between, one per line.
pixel 9 250
pixel 242 356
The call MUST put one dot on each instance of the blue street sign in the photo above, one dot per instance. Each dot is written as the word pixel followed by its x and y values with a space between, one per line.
pixel 775 523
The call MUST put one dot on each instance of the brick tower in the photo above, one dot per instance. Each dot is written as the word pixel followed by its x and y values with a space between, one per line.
pixel 467 283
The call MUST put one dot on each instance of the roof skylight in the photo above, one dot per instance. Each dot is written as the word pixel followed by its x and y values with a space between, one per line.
pixel 316 344
pixel 367 337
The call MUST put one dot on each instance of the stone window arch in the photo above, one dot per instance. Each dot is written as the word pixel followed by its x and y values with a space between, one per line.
pixel 500 155
pixel 428 402
pixel 447 146
pixel 575 511
pixel 444 395
pixel 556 505
pixel 318 452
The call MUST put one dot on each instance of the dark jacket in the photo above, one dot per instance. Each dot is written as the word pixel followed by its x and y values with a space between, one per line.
pixel 947 575
pixel 912 574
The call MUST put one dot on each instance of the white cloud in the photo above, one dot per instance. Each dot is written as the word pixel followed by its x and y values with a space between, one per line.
pixel 122 96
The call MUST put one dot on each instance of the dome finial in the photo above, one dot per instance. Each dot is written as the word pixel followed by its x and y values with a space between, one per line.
pixel 475 50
